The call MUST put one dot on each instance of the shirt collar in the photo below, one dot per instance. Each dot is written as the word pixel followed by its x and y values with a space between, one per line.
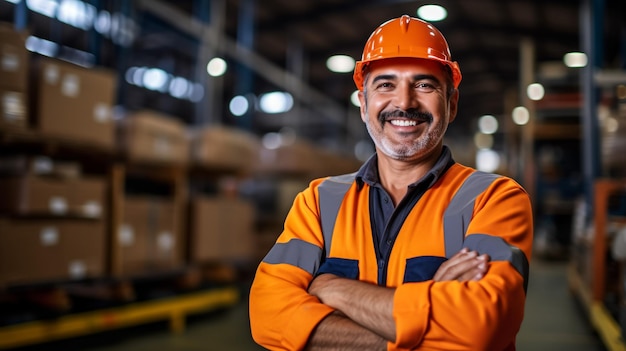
pixel 368 173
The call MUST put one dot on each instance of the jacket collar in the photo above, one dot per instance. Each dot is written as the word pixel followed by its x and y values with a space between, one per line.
pixel 368 173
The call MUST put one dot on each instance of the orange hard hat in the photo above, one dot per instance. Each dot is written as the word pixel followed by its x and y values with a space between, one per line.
pixel 406 37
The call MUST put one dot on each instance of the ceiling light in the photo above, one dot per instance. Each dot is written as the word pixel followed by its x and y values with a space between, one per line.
pixel 41 46
pixel 340 63
pixel 535 91
pixel 216 67
pixel 239 105
pixel 155 79
pixel 195 93
pixel 520 115
pixel 137 77
pixel 179 86
pixel 488 124
pixel 432 13
pixel 276 102
pixel 575 59
pixel 130 73
pixel 354 98
pixel 487 160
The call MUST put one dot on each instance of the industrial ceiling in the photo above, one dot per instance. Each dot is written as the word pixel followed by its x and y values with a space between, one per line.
pixel 283 45
pixel 485 37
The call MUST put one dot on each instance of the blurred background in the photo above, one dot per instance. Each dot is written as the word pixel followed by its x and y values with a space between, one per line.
pixel 150 150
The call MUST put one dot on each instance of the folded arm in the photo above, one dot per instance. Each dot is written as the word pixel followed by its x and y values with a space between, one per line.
pixel 371 306
pixel 336 331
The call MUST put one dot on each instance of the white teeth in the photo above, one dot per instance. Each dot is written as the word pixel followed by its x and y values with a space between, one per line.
pixel 402 122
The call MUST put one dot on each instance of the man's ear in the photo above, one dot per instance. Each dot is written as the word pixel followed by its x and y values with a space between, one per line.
pixel 362 106
pixel 453 105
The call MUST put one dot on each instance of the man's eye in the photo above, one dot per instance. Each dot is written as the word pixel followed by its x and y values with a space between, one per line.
pixel 425 86
pixel 385 85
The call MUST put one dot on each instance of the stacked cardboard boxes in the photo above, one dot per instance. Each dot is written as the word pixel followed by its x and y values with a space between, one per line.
pixel 297 158
pixel 51 196
pixel 148 240
pixel 20 164
pixel 14 67
pixel 153 137
pixel 224 148
pixel 73 103
pixel 39 250
pixel 304 159
pixel 222 230
pixel 52 227
pixel 332 163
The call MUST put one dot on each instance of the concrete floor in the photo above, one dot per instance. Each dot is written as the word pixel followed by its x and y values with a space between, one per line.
pixel 554 321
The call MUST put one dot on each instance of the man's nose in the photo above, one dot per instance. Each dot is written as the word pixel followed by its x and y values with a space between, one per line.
pixel 406 97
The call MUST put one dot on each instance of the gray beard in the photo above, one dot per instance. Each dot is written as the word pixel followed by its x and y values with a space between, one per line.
pixel 403 152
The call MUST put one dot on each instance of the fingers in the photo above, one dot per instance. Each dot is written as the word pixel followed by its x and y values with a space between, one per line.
pixel 478 271
pixel 464 266
pixel 455 266
pixel 319 284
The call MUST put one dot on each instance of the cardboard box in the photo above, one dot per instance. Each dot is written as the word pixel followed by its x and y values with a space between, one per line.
pixel 20 165
pixel 131 243
pixel 224 148
pixel 148 240
pixel 35 250
pixel 38 195
pixel 13 109
pixel 88 197
pixel 14 68
pixel 222 230
pixel 150 136
pixel 74 103
pixel 303 158
pixel 331 163
pixel 14 59
pixel 297 158
pixel 35 195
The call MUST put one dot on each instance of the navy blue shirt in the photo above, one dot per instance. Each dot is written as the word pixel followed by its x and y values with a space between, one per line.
pixel 386 220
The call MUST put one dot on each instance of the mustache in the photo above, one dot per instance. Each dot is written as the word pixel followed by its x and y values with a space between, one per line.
pixel 410 113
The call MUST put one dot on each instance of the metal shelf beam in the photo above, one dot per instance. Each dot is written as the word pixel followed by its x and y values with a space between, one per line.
pixel 173 309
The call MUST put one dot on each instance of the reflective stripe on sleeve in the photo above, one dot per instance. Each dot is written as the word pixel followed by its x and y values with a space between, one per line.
pixel 458 215
pixel 499 250
pixel 297 253
pixel 331 194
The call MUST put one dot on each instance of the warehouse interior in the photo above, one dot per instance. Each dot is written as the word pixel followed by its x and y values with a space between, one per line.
pixel 150 151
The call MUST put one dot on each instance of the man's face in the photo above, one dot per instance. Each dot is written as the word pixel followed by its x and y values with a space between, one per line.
pixel 405 107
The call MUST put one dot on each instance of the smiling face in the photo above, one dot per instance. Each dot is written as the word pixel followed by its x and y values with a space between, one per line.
pixel 406 107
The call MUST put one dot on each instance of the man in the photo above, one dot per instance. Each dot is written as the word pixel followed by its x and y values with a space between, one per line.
pixel 414 251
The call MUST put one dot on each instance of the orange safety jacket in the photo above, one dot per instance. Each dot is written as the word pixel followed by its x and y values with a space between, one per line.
pixel 464 208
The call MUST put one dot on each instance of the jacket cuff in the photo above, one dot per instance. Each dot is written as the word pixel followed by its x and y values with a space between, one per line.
pixel 411 312
pixel 298 334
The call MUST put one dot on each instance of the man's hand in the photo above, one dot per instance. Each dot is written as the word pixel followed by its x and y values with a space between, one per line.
pixel 464 266
pixel 318 285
